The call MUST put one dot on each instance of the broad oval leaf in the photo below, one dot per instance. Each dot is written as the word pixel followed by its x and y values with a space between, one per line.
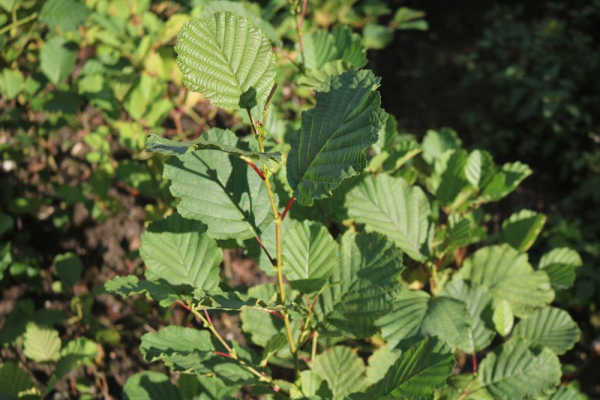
pixel 220 190
pixel 13 380
pixel 480 168
pixel 417 316
pixel 329 147
pixel 392 207
pixel 550 327
pixel 504 182
pixel 67 14
pixel 167 147
pixel 522 228
pixel 508 276
pixel 179 251
pixel 435 143
pixel 479 306
pixel 227 59
pixel 57 59
pixel 310 255
pixel 420 370
pixel 362 289
pixel 561 264
pixel 150 385
pixel 503 318
pixel 343 370
pixel 41 344
pixel 516 370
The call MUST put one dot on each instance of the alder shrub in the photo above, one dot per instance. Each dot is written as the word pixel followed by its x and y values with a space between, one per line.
pixel 384 274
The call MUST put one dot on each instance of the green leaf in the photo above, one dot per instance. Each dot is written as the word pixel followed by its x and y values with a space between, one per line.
pixel 179 348
pixel 150 385
pixel 361 290
pixel 504 182
pixel 130 285
pixel 408 18
pixel 392 207
pixel 329 147
pixel 456 386
pixel 565 393
pixel 68 268
pixel 508 276
pixel 233 301
pixel 517 371
pixel 310 386
pixel 179 251
pixel 403 151
pixel 272 346
pixel 417 316
pixel 5 258
pixel 13 379
pixel 521 229
pixel 66 14
pixel 75 352
pixel 435 143
pixel 197 387
pixel 503 318
pixel 314 78
pixel 388 135
pixel 349 46
pixel 420 370
pixel 561 264
pixel 227 59
pixel 319 49
pixel 343 370
pixel 220 190
pixel 11 83
pixel 57 59
pixel 448 177
pixel 41 344
pixel 380 362
pixel 6 223
pixel 550 327
pixel 479 306
pixel 167 147
pixel 480 168
pixel 310 255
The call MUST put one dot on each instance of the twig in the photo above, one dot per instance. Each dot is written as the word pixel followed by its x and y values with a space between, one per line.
pixel 18 23
pixel 287 208
pixel 273 262
pixel 254 167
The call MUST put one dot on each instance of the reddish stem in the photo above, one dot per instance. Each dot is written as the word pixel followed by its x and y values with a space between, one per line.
pixel 303 14
pixel 273 262
pixel 255 168
pixel 274 313
pixel 207 316
pixel 222 354
pixel 312 334
pixel 182 304
pixel 287 208
pixel 474 362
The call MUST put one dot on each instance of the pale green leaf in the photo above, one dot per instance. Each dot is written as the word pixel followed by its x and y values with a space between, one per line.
pixel 409 18
pixel 130 285
pixel 565 393
pixel 517 371
pixel 435 143
pixel 420 370
pixel 227 59
pixel 503 318
pixel 417 316
pixel 448 177
pixel 362 289
pixel 403 151
pixel 220 190
pixel 479 306
pixel 41 344
pixel 380 362
pixel 504 182
pixel 310 386
pixel 178 347
pixel 508 276
pixel 57 59
pixel 13 379
pixel 480 168
pixel 179 251
pixel 319 49
pixel 522 228
pixel 11 83
pixel 66 14
pixel 313 78
pixel 549 327
pixel 198 387
pixel 310 255
pixel 388 135
pixel 272 346
pixel 561 264
pixel 68 268
pixel 329 147
pixel 150 385
pixel 167 147
pixel 343 370
pixel 392 207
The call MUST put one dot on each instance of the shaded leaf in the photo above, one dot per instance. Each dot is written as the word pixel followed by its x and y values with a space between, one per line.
pixel 550 327
pixel 150 385
pixel 130 285
pixel 13 379
pixel 435 143
pixel 561 264
pixel 521 229
pixel 68 267
pixel 179 348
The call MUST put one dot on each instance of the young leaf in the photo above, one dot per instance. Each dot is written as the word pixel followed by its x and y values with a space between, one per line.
pixel 517 371
pixel 504 182
pixel 179 348
pixel 167 147
pixel 180 252
pixel 561 264
pixel 480 168
pixel 220 190
pixel 57 59
pixel 130 285
pixel 13 380
pixel 150 385
pixel 420 370
pixel 343 370
pixel 417 316
pixel 361 290
pixel 521 229
pixel 392 207
pixel 503 318
pixel 550 327
pixel 479 306
pixel 319 49
pixel 41 344
pixel 310 255
pixel 435 143
pixel 227 59
pixel 329 147
pixel 508 276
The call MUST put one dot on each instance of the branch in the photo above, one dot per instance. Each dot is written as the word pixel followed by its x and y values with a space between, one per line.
pixel 287 208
